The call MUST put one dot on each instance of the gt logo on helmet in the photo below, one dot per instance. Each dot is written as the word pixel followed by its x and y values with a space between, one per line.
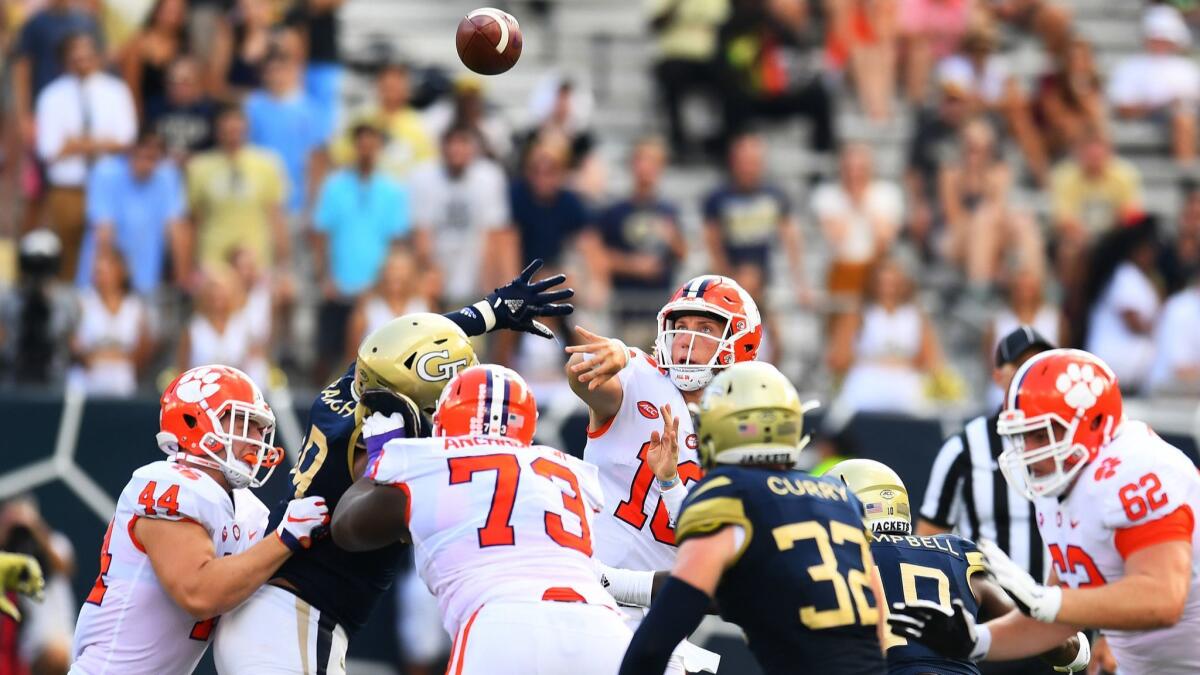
pixel 442 371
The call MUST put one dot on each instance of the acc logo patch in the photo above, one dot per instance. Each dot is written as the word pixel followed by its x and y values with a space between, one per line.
pixel 692 441
pixel 431 372
pixel 887 494
pixel 648 410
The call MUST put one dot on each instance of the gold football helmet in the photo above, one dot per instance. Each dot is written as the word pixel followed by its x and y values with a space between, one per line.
pixel 751 414
pixel 414 355
pixel 884 497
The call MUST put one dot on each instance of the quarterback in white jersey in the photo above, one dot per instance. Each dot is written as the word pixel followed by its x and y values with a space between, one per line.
pixel 501 530
pixel 188 541
pixel 1116 508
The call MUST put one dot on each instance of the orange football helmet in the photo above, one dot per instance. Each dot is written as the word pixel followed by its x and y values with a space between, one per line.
pixel 723 299
pixel 206 419
pixel 487 400
pixel 1062 407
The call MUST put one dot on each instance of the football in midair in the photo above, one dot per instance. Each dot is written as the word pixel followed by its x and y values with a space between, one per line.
pixel 489 41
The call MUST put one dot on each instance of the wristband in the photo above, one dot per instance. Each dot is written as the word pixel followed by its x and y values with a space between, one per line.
pixel 665 485
pixel 1082 657
pixel 1047 609
pixel 983 642
pixel 487 314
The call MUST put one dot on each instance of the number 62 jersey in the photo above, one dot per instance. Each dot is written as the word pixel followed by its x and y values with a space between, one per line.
pixel 1139 491
pixel 129 625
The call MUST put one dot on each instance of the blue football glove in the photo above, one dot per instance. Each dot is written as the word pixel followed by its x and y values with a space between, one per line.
pixel 518 305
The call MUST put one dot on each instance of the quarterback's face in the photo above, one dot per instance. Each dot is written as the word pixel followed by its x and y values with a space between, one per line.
pixel 700 343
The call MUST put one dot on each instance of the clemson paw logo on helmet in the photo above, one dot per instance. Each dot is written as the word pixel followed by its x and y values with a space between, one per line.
pixel 1079 386
pixel 198 385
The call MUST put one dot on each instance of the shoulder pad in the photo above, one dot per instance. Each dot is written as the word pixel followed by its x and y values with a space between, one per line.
pixel 173 491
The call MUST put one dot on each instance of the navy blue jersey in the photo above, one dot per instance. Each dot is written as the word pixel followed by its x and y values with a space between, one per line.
pixel 748 221
pixel 937 569
pixel 800 586
pixel 342 584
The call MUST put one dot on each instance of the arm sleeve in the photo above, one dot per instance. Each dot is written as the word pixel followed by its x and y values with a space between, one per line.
pixel 673 499
pixel 676 612
pixel 943 494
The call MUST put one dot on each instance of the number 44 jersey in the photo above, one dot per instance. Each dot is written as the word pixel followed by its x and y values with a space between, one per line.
pixel 129 625
pixel 493 520
pixel 1137 492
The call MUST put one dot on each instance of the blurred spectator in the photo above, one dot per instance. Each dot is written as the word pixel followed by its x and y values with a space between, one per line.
pixel 1161 83
pixel 318 22
pixel 219 332
pixel 39 313
pixel 886 351
pixel 1069 100
pixel 860 216
pixel 772 70
pixel 861 40
pixel 1047 19
pixel 461 219
pixel 930 31
pixel 1123 302
pixel 186 118
pixel 1176 367
pixel 399 291
pixel 1025 305
pixel 408 144
pixel 146 59
pixel 982 226
pixel 260 304
pixel 48 626
pixel 204 22
pixel 978 70
pixel 686 42
pixel 83 115
pixel 240 47
pixel 39 58
pixel 135 205
pixel 559 106
pixel 236 193
pixel 934 142
pixel 112 339
pixel 360 212
pixel 1090 193
pixel 283 120
pixel 468 108
pixel 644 244
pixel 1179 259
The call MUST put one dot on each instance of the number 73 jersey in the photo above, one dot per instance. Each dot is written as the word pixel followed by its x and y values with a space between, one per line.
pixel 493 520
pixel 128 624
pixel 1139 491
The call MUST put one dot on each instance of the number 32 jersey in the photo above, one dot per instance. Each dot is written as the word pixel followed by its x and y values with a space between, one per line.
pixel 493 520
pixel 129 625
pixel 1139 491
pixel 635 532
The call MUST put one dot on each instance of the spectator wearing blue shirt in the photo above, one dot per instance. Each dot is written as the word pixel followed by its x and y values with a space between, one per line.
pixel 135 205
pixel 360 212
pixel 282 119
pixel 644 244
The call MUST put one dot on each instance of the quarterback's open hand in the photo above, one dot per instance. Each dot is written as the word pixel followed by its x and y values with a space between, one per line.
pixel 518 304
pixel 1032 598
pixel 948 632
pixel 22 574
pixel 304 521
pixel 663 452
pixel 607 357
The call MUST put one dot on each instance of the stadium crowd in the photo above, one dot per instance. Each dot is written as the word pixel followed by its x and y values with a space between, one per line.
pixel 186 186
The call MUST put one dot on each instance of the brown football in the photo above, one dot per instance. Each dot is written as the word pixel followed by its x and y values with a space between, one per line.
pixel 488 41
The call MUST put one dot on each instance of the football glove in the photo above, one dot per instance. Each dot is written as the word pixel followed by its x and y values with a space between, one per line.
pixel 380 428
pixel 1033 599
pixel 948 632
pixel 304 521
pixel 22 574
pixel 1082 658
pixel 517 305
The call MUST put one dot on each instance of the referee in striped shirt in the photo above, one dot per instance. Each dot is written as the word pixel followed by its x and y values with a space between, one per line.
pixel 968 495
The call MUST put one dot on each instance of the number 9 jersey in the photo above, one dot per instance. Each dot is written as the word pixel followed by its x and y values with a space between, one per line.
pixel 129 624
pixel 800 583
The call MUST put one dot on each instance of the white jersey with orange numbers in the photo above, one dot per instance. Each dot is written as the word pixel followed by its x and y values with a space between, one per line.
pixel 635 532
pixel 496 521
pixel 129 625
pixel 1139 491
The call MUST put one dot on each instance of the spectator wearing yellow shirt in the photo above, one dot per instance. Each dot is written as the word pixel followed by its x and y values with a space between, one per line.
pixel 409 144
pixel 1093 190
pixel 236 195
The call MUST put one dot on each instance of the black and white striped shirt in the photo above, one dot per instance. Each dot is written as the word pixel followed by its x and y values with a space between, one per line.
pixel 967 494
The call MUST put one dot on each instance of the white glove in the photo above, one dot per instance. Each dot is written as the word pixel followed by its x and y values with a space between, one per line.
pixel 305 521
pixel 628 587
pixel 1034 599
pixel 1082 658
